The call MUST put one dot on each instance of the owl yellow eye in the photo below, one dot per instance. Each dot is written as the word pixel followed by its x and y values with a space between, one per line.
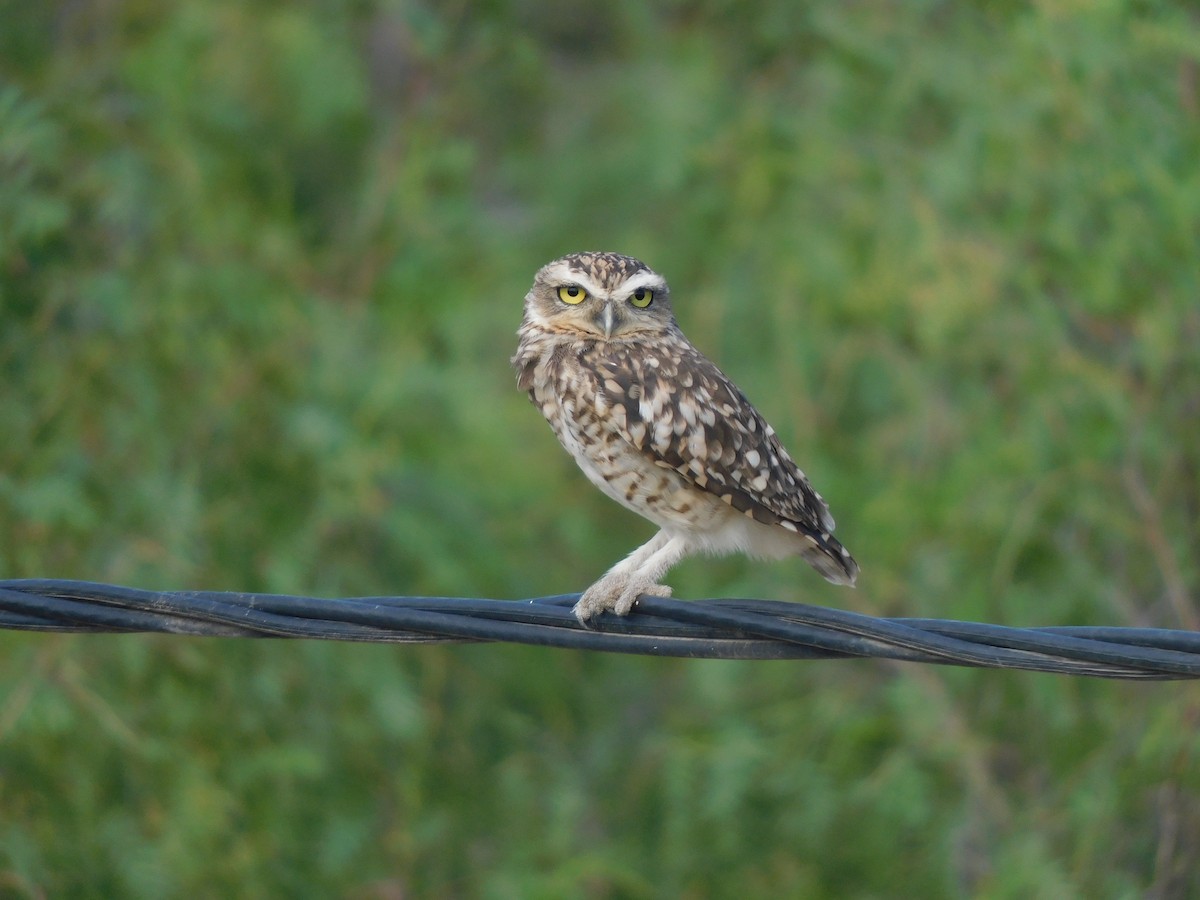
pixel 641 297
pixel 572 294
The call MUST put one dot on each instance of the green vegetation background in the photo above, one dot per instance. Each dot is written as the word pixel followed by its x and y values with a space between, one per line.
pixel 260 268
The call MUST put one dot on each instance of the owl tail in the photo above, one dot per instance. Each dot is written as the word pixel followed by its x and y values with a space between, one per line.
pixel 827 555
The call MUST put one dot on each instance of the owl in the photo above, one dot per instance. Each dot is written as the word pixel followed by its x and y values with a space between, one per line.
pixel 660 429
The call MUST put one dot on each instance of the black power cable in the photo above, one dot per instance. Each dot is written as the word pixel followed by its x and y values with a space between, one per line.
pixel 717 629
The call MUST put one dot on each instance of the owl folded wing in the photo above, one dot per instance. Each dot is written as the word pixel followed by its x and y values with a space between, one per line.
pixel 685 414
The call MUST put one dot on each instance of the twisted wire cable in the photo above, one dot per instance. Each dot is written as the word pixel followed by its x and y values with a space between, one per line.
pixel 715 629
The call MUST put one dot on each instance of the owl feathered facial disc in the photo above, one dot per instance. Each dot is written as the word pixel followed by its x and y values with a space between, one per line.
pixel 612 296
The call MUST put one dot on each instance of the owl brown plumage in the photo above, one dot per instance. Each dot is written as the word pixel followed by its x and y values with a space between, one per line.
pixel 660 429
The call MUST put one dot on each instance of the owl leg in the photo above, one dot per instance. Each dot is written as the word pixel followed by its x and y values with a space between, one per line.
pixel 636 574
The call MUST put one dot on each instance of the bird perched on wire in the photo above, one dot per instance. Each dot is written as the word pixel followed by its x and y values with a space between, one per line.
pixel 661 430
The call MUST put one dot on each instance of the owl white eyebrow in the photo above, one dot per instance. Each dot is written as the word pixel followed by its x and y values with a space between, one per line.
pixel 563 274
pixel 642 280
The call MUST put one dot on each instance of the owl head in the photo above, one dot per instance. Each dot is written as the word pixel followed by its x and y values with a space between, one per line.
pixel 599 296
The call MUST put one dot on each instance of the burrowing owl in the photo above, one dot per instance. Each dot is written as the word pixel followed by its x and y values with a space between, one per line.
pixel 660 429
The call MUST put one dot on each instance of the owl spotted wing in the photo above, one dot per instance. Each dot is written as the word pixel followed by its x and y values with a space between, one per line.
pixel 685 414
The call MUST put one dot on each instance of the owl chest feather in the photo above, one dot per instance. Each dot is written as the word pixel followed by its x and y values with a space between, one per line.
pixel 568 387
pixel 661 430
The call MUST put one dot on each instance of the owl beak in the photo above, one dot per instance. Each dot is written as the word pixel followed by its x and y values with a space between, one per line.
pixel 605 320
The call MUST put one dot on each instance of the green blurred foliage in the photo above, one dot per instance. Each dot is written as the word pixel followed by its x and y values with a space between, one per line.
pixel 260 268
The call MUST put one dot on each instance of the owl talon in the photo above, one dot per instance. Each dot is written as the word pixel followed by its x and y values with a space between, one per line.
pixel 629 598
pixel 618 595
pixel 604 595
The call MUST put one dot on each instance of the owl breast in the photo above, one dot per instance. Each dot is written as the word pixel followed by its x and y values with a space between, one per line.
pixel 566 381
pixel 572 399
